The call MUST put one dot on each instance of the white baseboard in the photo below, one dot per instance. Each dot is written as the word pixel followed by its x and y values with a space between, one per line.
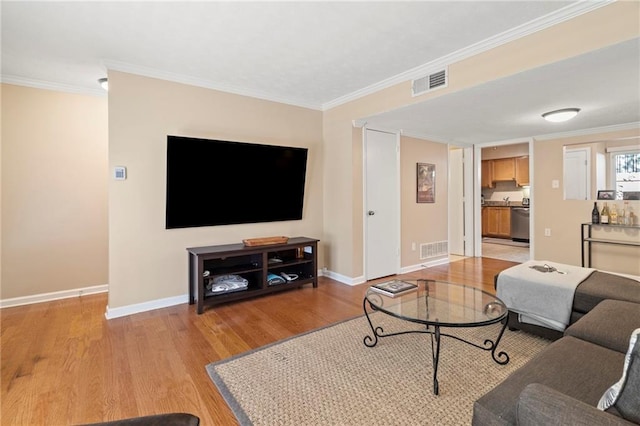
pixel 176 300
pixel 137 308
pixel 56 295
pixel 343 278
pixel 413 268
pixel 405 270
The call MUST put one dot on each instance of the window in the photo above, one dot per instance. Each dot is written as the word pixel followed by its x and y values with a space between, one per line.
pixel 626 169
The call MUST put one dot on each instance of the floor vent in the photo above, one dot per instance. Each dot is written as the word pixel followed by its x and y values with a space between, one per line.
pixel 430 82
pixel 436 249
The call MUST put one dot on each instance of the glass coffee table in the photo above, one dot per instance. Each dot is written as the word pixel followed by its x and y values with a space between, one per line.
pixel 437 305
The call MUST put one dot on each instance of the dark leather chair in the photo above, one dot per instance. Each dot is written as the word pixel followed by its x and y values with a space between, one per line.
pixel 170 419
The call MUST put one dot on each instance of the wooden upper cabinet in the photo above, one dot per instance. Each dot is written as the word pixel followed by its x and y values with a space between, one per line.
pixel 522 171
pixel 504 169
pixel 487 173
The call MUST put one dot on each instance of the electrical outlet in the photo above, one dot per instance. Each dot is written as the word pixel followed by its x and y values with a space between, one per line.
pixel 413 246
pixel 547 232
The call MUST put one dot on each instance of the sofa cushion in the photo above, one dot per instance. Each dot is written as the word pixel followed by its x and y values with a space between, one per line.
pixel 541 405
pixel 577 368
pixel 609 324
pixel 600 286
pixel 624 395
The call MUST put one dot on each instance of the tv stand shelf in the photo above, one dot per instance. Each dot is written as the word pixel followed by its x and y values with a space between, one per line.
pixel 297 257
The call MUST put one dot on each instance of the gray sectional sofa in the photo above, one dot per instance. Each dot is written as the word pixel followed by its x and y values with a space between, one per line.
pixel 563 384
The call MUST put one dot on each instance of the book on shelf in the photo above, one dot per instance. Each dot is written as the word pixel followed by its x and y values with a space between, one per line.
pixel 394 288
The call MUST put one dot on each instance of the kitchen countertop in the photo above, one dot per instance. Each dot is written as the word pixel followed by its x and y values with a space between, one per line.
pixel 503 204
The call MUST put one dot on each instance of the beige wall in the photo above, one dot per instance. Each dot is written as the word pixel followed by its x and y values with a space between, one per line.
pixel 422 222
pixel 54 191
pixel 563 217
pixel 148 262
pixel 343 213
pixel 505 151
pixel 68 237
pixel 605 26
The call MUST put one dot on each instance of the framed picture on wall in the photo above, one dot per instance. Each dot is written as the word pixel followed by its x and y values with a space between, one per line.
pixel 426 181
pixel 608 194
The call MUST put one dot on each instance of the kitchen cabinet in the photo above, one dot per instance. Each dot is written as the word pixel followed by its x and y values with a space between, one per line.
pixel 487 173
pixel 522 171
pixel 504 169
pixel 497 222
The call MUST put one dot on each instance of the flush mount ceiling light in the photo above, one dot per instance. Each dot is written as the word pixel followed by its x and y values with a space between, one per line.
pixel 104 82
pixel 561 115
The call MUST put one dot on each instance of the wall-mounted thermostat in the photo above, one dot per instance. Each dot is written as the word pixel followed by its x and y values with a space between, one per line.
pixel 120 173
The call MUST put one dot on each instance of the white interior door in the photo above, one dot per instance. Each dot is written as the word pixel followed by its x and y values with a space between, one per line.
pixel 382 204
pixel 576 174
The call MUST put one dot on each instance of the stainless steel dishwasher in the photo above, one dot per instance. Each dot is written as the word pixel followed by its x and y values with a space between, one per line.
pixel 520 224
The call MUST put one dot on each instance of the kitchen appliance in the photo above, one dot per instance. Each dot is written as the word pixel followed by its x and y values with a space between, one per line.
pixel 525 201
pixel 520 223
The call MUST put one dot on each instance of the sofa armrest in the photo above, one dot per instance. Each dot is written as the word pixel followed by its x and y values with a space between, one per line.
pixel 540 405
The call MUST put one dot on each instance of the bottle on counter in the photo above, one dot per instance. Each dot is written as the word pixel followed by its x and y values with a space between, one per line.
pixel 604 215
pixel 613 215
pixel 623 219
pixel 595 214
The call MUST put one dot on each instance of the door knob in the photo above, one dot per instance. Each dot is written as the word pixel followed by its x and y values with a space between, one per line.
pixel 371 212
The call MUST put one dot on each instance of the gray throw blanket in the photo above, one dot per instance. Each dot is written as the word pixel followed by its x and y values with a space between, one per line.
pixel 541 292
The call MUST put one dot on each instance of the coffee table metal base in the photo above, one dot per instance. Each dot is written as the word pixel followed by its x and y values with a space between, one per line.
pixel 501 357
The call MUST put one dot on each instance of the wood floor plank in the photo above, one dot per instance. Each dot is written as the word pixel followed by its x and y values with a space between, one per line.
pixel 63 363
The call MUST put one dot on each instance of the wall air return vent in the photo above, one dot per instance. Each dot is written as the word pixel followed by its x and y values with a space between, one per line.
pixel 436 80
pixel 435 249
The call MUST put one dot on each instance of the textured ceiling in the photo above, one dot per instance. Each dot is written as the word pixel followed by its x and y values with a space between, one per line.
pixel 305 53
pixel 318 54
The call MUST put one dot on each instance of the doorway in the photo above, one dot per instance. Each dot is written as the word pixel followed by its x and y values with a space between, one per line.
pixel 499 199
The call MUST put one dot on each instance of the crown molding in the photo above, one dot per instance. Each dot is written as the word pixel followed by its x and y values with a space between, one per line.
pixel 48 85
pixel 566 13
pixel 539 24
pixel 584 132
pixel 206 84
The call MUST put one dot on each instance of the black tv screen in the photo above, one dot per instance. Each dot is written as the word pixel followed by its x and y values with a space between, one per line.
pixel 215 182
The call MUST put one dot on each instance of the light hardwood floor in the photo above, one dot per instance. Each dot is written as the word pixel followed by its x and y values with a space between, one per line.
pixel 63 363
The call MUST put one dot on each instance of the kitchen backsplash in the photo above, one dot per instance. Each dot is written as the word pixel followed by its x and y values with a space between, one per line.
pixel 505 189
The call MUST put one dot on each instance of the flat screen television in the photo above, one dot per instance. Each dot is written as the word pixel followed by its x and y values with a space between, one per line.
pixel 217 182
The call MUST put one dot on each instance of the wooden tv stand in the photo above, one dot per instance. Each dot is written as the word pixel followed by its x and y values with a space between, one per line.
pixel 297 256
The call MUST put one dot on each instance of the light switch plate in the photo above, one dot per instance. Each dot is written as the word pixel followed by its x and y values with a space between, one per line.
pixel 119 173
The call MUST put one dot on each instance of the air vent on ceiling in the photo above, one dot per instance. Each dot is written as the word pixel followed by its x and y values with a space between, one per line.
pixel 429 82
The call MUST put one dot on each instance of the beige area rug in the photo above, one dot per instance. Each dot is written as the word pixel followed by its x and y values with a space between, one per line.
pixel 329 377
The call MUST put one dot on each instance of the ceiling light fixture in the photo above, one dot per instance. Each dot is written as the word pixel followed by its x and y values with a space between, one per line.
pixel 104 82
pixel 561 115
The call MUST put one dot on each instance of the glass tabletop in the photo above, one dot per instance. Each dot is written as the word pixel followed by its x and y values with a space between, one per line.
pixel 438 303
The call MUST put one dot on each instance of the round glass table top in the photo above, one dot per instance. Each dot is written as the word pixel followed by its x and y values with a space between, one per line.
pixel 436 302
